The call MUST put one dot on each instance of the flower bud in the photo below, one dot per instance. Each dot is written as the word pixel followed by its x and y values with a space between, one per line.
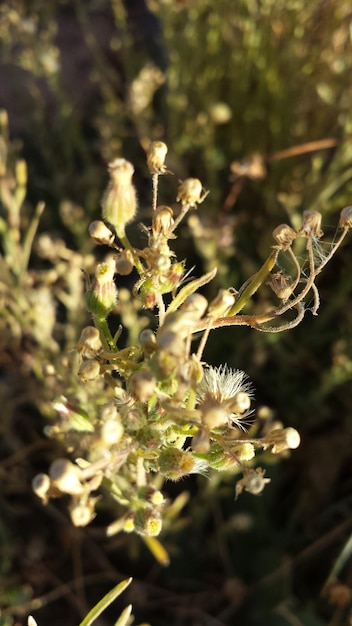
pixel 346 217
pixel 283 439
pixel 100 233
pixel 214 415
pixel 102 295
pixel 221 460
pixel 284 235
pixel 147 522
pixel 245 452
pixel 89 343
pixel 190 192
pixel 175 463
pixel 119 202
pixel 124 263
pixel 156 157
pixel 311 224
pixel 65 476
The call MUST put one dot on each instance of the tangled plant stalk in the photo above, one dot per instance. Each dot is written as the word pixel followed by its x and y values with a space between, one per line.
pixel 154 410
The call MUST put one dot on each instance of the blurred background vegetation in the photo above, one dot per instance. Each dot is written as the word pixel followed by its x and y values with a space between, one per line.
pixel 254 98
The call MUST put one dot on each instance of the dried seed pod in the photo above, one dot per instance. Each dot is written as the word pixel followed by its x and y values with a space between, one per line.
pixel 311 224
pixel 119 202
pixel 88 370
pixel 346 217
pixel 284 235
pixel 100 233
pixel 156 157
pixel 280 285
pixel 65 476
pixel 163 221
pixel 190 192
pixel 195 306
pixel 89 343
pixel 124 263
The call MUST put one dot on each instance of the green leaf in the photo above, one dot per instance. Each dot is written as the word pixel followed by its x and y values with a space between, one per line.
pixel 105 602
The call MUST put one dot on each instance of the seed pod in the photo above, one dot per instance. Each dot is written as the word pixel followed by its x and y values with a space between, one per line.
pixel 82 514
pixel 100 233
pixel 283 439
pixel 280 285
pixel 311 224
pixel 88 370
pixel 346 217
pixel 284 235
pixel 190 192
pixel 239 403
pixel 162 221
pixel 119 202
pixel 89 343
pixel 156 157
pixel 124 263
pixel 65 476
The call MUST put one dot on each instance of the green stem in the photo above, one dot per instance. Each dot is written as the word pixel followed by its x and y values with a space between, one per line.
pixel 105 334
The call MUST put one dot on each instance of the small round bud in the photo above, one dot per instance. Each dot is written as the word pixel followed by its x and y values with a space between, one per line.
pixel 89 343
pixel 111 432
pixel 100 233
pixel 245 452
pixel 157 498
pixel 190 192
pixel 124 263
pixel 88 370
pixel 156 157
pixel 142 385
pixel 65 476
pixel 41 486
pixel 119 201
pixel 129 524
pixel 346 217
pixel 163 220
pixel 284 235
pixel 311 224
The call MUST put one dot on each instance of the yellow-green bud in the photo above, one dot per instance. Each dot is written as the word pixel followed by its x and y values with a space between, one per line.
pixel 175 463
pixel 220 460
pixel 147 522
pixel 102 295
pixel 119 202
pixel 245 451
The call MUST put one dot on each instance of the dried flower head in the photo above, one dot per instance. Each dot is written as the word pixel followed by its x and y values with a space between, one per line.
pixel 311 225
pixel 190 192
pixel 222 395
pixel 156 157
pixel 100 233
pixel 346 217
pixel 284 235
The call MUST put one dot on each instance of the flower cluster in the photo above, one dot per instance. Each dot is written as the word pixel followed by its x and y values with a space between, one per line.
pixel 154 409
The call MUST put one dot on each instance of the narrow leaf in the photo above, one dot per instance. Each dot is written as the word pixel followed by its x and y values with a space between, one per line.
pixel 105 602
pixel 190 288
